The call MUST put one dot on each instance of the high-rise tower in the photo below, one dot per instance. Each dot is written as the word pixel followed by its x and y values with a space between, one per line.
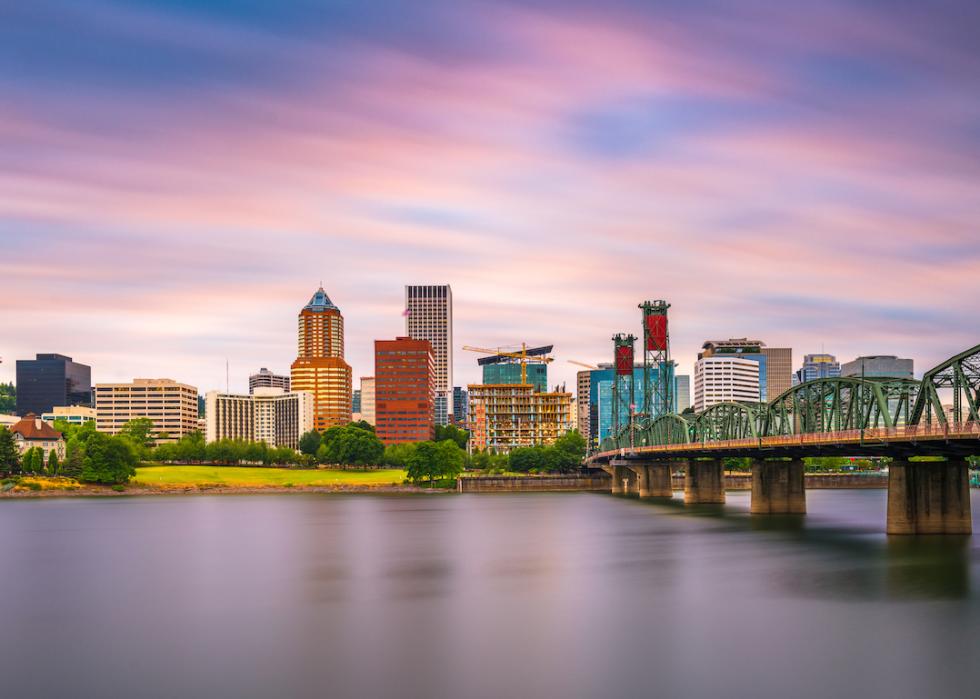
pixel 429 316
pixel 320 367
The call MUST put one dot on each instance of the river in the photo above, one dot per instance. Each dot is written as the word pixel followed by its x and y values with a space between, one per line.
pixel 504 596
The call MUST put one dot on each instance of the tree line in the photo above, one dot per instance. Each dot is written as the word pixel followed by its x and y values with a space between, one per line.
pixel 90 456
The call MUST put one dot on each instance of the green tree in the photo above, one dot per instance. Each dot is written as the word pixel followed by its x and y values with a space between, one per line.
pixel 53 464
pixel 435 460
pixel 451 432
pixel 139 432
pixel 9 455
pixel 354 446
pixel 310 442
pixel 523 459
pixel 8 398
pixel 70 429
pixel 364 425
pixel 569 451
pixel 109 460
pixel 397 455
pixel 74 457
pixel 190 448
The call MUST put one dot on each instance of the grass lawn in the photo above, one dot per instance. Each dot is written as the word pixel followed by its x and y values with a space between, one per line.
pixel 245 476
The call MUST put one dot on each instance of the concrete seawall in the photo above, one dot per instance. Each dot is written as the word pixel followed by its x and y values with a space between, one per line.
pixel 601 482
pixel 540 484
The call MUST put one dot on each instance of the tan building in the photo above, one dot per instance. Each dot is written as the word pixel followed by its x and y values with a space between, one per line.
pixel 269 415
pixel 368 409
pixel 506 416
pixel 32 431
pixel 583 389
pixel 779 370
pixel 171 405
pixel 320 368
pixel 72 414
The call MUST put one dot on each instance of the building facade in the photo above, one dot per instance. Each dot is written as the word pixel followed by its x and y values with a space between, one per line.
pixel 172 407
pixel 817 366
pixel 510 372
pixel 368 412
pixel 269 415
pixel 723 379
pixel 506 416
pixel 31 431
pixel 603 415
pixel 879 366
pixel 320 368
pixel 779 371
pixel 51 380
pixel 267 379
pixel 404 390
pixel 72 414
pixel 461 405
pixel 429 316
pixel 682 390
pixel 583 388
pixel 355 403
pixel 744 348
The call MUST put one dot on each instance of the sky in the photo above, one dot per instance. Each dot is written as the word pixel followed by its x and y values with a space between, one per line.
pixel 177 177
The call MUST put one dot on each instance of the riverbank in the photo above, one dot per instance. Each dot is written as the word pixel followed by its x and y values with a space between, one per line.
pixel 230 480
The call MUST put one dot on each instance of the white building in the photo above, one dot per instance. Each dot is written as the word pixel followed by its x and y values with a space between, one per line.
pixel 268 415
pixel 368 412
pixel 721 379
pixel 72 414
pixel 429 316
pixel 267 379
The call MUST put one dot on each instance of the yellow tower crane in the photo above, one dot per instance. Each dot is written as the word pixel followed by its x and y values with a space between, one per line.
pixel 540 356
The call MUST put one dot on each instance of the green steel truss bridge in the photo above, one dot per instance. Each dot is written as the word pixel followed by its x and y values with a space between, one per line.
pixel 898 418
pixel 846 415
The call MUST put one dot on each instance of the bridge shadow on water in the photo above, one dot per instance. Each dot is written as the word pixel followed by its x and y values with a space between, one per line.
pixel 855 563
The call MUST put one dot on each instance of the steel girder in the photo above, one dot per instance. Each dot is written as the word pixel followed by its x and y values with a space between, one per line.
pixel 840 403
pixel 960 373
pixel 666 429
pixel 728 421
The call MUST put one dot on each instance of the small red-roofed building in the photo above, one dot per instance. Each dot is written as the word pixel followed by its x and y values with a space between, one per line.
pixel 32 432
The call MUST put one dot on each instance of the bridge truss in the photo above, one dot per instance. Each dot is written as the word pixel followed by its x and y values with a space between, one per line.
pixel 827 405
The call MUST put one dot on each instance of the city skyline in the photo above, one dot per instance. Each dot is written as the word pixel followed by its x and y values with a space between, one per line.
pixel 767 167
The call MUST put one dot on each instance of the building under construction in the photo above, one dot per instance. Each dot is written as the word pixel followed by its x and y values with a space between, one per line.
pixel 506 416
pixel 512 407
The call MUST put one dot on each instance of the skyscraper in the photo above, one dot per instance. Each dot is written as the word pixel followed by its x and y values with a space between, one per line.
pixel 429 316
pixel 779 371
pixel 404 375
pixel 367 400
pixel 583 387
pixel 817 366
pixel 744 348
pixel 49 380
pixel 460 404
pixel 320 367
pixel 266 379
pixel 724 379
pixel 682 389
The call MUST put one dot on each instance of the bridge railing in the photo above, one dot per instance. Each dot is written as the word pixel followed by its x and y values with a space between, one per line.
pixel 870 436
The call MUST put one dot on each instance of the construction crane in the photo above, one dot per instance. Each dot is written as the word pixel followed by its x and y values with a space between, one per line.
pixel 535 354
pixel 583 364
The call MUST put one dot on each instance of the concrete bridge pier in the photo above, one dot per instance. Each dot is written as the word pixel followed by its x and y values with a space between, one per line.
pixel 929 497
pixel 778 488
pixel 623 479
pixel 705 482
pixel 653 479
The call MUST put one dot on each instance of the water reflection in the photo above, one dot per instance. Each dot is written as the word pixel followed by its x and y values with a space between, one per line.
pixel 571 595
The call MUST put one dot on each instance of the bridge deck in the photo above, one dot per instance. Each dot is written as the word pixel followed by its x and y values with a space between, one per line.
pixel 955 439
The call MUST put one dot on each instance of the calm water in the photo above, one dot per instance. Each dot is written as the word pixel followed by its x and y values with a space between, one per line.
pixel 564 595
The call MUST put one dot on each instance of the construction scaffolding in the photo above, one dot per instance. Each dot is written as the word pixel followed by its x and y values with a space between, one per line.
pixel 506 416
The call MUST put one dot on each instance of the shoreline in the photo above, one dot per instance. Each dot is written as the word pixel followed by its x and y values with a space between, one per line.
pixel 144 491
